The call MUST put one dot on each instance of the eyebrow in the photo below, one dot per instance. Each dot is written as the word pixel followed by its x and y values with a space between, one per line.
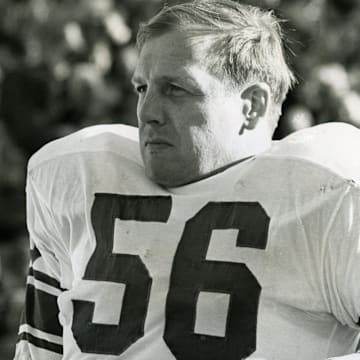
pixel 136 80
pixel 167 78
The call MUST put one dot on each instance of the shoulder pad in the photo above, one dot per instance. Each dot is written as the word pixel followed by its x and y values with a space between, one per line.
pixel 335 146
pixel 117 138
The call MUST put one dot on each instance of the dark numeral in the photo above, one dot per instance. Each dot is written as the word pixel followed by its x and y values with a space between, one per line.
pixel 104 265
pixel 192 273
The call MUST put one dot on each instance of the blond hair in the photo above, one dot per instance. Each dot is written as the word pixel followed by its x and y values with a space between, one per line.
pixel 240 43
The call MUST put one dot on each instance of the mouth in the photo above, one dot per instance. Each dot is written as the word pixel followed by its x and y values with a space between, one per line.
pixel 157 143
pixel 157 147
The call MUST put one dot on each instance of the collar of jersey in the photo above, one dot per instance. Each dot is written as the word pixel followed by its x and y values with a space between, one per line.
pixel 219 180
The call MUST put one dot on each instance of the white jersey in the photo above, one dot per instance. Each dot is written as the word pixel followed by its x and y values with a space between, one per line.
pixel 260 261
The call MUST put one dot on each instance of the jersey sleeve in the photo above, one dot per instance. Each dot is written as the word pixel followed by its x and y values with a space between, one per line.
pixel 61 180
pixel 40 332
pixel 333 146
pixel 342 265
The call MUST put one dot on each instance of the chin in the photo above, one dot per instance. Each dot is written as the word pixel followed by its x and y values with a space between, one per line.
pixel 158 170
pixel 163 178
pixel 169 171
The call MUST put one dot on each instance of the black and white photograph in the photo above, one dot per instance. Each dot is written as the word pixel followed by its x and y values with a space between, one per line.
pixel 179 180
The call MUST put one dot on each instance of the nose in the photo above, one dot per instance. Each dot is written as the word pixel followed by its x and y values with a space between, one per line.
pixel 150 109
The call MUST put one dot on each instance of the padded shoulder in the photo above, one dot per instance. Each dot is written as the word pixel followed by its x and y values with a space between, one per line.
pixel 335 146
pixel 121 139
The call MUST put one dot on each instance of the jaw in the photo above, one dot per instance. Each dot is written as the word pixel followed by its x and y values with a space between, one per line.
pixel 167 170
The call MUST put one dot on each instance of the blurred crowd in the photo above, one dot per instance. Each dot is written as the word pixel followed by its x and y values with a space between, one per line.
pixel 67 64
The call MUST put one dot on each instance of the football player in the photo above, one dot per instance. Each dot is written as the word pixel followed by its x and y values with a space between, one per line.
pixel 210 241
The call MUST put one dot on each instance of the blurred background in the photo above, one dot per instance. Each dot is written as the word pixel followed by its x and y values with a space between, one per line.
pixel 67 64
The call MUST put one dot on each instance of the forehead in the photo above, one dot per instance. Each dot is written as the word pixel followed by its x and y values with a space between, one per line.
pixel 167 55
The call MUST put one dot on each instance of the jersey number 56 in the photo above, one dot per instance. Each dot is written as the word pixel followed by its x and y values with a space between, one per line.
pixel 191 274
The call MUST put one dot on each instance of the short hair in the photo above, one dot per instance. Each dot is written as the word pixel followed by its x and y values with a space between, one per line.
pixel 241 43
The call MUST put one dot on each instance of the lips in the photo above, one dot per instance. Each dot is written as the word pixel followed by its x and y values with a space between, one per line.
pixel 157 142
pixel 157 146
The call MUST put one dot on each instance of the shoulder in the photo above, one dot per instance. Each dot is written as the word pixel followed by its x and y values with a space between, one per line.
pixel 333 146
pixel 121 139
pixel 66 172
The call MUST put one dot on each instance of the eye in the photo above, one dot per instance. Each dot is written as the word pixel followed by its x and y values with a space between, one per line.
pixel 140 89
pixel 175 90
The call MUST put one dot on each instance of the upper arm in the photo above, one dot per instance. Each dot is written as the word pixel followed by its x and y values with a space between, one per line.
pixel 342 267
pixel 40 331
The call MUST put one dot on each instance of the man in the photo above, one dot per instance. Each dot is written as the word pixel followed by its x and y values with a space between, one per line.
pixel 213 243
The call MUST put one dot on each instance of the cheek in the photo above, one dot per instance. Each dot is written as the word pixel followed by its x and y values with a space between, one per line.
pixel 217 136
pixel 227 121
pixel 192 121
pixel 202 143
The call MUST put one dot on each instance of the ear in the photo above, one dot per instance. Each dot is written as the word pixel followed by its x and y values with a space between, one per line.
pixel 256 98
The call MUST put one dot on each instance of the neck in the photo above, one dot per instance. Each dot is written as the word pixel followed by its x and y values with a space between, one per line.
pixel 217 171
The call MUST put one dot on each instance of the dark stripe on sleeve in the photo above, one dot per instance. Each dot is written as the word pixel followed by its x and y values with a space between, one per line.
pixel 34 254
pixel 41 311
pixel 41 343
pixel 38 275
